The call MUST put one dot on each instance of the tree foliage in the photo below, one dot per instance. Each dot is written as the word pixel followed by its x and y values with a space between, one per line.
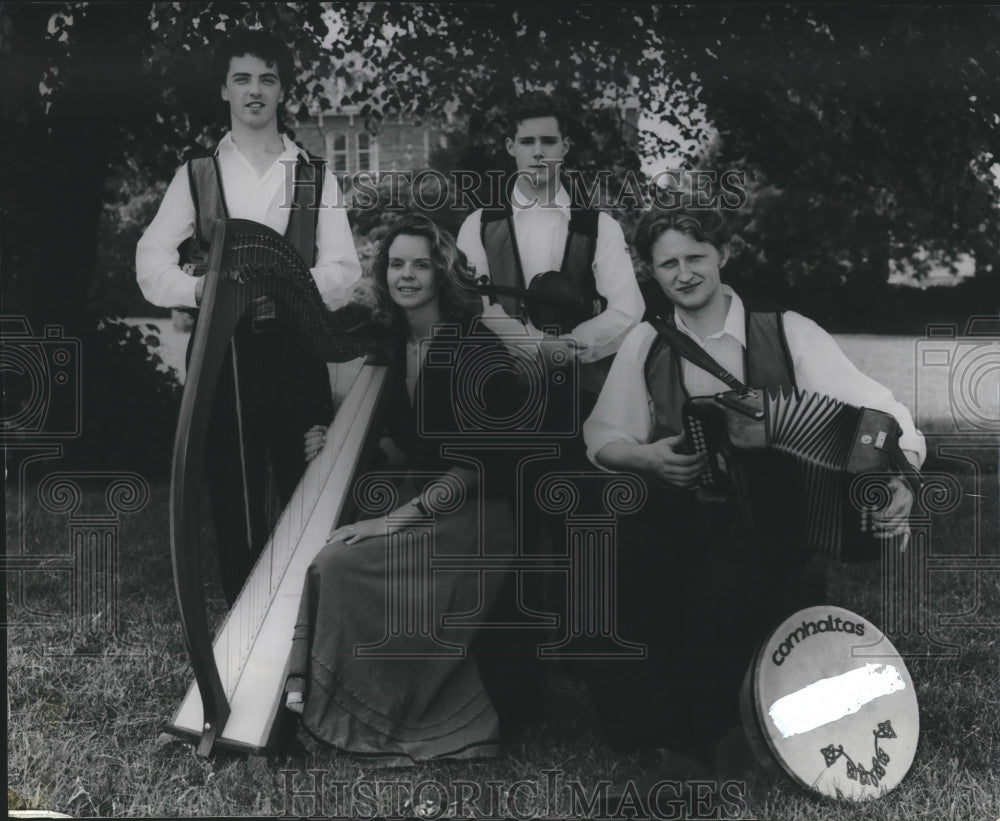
pixel 867 134
pixel 870 134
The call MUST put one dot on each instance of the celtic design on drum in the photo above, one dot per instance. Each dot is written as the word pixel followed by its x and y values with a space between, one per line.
pixel 856 772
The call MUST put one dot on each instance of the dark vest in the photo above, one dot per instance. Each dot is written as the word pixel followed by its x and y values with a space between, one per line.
pixel 205 179
pixel 504 257
pixel 766 361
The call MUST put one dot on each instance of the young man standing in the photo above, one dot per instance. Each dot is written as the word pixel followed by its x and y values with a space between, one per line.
pixel 696 586
pixel 535 229
pixel 279 391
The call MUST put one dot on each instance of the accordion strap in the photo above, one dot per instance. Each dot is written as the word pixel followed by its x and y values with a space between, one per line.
pixel 694 353
pixel 690 350
pixel 899 461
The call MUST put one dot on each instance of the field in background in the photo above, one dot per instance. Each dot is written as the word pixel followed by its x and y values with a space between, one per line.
pixel 85 710
pixel 895 361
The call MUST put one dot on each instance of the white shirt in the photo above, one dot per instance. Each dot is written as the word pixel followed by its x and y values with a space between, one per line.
pixel 265 199
pixel 541 232
pixel 819 365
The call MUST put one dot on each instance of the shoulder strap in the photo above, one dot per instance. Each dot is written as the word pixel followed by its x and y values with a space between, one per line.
pixel 768 359
pixel 687 348
pixel 496 232
pixel 493 215
pixel 205 182
pixel 578 255
pixel 583 221
pixel 307 199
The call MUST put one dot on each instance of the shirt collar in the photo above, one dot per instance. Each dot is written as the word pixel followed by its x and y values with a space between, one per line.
pixel 523 203
pixel 291 151
pixel 735 324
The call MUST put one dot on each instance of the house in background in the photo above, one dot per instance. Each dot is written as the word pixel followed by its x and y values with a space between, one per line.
pixel 401 145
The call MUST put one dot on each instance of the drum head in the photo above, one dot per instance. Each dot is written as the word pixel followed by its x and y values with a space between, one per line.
pixel 828 699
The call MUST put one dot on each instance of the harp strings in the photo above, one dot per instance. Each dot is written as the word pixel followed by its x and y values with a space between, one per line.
pixel 256 265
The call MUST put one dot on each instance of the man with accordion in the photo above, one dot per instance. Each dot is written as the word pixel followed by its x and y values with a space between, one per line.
pixel 704 580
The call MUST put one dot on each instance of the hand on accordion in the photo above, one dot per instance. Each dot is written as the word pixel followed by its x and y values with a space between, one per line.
pixel 894 518
pixel 670 460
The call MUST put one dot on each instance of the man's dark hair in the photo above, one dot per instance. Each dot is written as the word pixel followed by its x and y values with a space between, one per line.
pixel 536 104
pixel 256 43
pixel 708 225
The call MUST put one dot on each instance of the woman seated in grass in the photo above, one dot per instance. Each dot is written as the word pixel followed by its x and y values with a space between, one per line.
pixel 427 701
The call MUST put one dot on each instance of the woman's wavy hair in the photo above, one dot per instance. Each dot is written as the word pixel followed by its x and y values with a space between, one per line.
pixel 460 300
pixel 707 225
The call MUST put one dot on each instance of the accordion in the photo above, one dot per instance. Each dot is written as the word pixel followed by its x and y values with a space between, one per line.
pixel 801 467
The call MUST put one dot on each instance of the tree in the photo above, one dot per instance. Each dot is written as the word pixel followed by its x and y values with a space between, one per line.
pixel 871 133
pixel 868 134
pixel 99 90
pixel 94 93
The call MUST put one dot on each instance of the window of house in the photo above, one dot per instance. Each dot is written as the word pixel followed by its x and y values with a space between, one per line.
pixel 336 152
pixel 367 152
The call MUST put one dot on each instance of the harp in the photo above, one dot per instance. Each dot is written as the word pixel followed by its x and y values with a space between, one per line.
pixel 234 700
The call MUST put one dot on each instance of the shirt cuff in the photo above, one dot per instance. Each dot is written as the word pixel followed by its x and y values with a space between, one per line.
pixel 187 292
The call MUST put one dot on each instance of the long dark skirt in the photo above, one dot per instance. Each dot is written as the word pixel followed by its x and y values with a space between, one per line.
pixel 383 672
pixel 697 591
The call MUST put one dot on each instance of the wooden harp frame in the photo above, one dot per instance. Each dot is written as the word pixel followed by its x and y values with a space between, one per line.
pixel 237 708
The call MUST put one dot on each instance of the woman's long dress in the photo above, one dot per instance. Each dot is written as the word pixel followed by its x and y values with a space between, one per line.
pixel 382 675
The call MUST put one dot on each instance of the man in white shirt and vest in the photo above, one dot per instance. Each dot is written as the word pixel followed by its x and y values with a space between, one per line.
pixel 255 173
pixel 535 228
pixel 698 588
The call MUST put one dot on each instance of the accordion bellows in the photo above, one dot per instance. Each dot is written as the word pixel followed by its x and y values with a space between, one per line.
pixel 801 467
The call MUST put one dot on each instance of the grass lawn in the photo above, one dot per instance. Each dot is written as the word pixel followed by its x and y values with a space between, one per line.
pixel 84 710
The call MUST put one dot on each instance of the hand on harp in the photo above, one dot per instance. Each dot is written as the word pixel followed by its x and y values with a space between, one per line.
pixel 315 439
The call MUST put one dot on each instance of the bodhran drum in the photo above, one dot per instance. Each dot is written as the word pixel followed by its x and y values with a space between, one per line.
pixel 828 701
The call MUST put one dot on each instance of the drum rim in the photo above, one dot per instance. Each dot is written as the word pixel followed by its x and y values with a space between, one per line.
pixel 756 709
